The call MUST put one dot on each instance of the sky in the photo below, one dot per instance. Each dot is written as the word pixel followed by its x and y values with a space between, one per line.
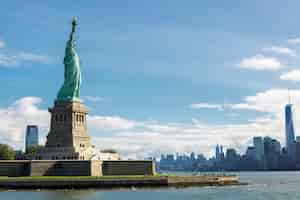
pixel 158 76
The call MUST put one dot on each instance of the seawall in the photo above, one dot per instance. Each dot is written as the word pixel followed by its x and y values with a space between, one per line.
pixel 114 182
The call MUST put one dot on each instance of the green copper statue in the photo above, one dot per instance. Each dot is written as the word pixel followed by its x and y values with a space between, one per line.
pixel 70 91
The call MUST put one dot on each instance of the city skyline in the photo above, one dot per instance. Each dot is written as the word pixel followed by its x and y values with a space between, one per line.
pixel 184 79
pixel 265 153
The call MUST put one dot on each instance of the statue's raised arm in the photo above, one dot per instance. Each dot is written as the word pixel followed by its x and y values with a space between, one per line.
pixel 74 24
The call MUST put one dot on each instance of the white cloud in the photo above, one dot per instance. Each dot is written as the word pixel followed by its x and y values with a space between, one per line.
pixel 110 123
pixel 281 50
pixel 265 119
pixel 2 44
pixel 294 40
pixel 185 137
pixel 232 115
pixel 270 101
pixel 14 119
pixel 260 62
pixel 18 59
pixel 293 75
pixel 93 98
pixel 206 106
pixel 33 57
pixel 8 61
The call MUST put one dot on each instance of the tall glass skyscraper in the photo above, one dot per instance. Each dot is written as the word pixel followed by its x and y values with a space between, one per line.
pixel 289 129
pixel 218 154
pixel 32 136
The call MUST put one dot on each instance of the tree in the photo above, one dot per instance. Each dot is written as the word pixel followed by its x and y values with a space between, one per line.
pixel 31 152
pixel 7 152
pixel 34 149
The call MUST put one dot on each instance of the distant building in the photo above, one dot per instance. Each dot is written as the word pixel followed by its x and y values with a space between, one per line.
pixel 170 157
pixel 222 153
pixel 217 153
pixel 297 152
pixel 193 156
pixel 231 154
pixel 277 146
pixel 32 136
pixel 251 153
pixel 272 153
pixel 201 158
pixel 289 129
pixel 181 162
pixel 259 148
pixel 271 145
pixel 232 160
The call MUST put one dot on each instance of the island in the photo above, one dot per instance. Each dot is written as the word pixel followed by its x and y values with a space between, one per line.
pixel 69 160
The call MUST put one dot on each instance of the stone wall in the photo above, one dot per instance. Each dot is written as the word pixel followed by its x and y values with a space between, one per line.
pixel 14 168
pixel 131 167
pixel 75 168
pixel 60 168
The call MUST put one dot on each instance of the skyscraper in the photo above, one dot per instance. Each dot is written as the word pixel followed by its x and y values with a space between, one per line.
pixel 259 148
pixel 217 153
pixel 251 153
pixel 222 153
pixel 289 129
pixel 32 136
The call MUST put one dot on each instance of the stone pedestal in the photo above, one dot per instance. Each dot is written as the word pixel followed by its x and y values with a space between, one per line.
pixel 68 137
pixel 68 126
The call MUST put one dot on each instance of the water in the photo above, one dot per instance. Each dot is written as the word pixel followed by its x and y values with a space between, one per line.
pixel 262 185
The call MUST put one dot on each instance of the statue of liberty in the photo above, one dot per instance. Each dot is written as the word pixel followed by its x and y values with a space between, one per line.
pixel 70 91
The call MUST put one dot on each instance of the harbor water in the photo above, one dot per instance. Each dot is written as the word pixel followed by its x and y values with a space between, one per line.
pixel 261 186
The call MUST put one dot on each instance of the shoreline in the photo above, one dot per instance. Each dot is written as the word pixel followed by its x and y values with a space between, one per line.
pixel 115 182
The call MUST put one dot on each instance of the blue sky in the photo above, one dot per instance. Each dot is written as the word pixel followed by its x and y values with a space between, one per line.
pixel 149 62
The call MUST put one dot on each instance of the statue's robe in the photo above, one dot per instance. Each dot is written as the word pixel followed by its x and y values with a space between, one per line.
pixel 70 91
